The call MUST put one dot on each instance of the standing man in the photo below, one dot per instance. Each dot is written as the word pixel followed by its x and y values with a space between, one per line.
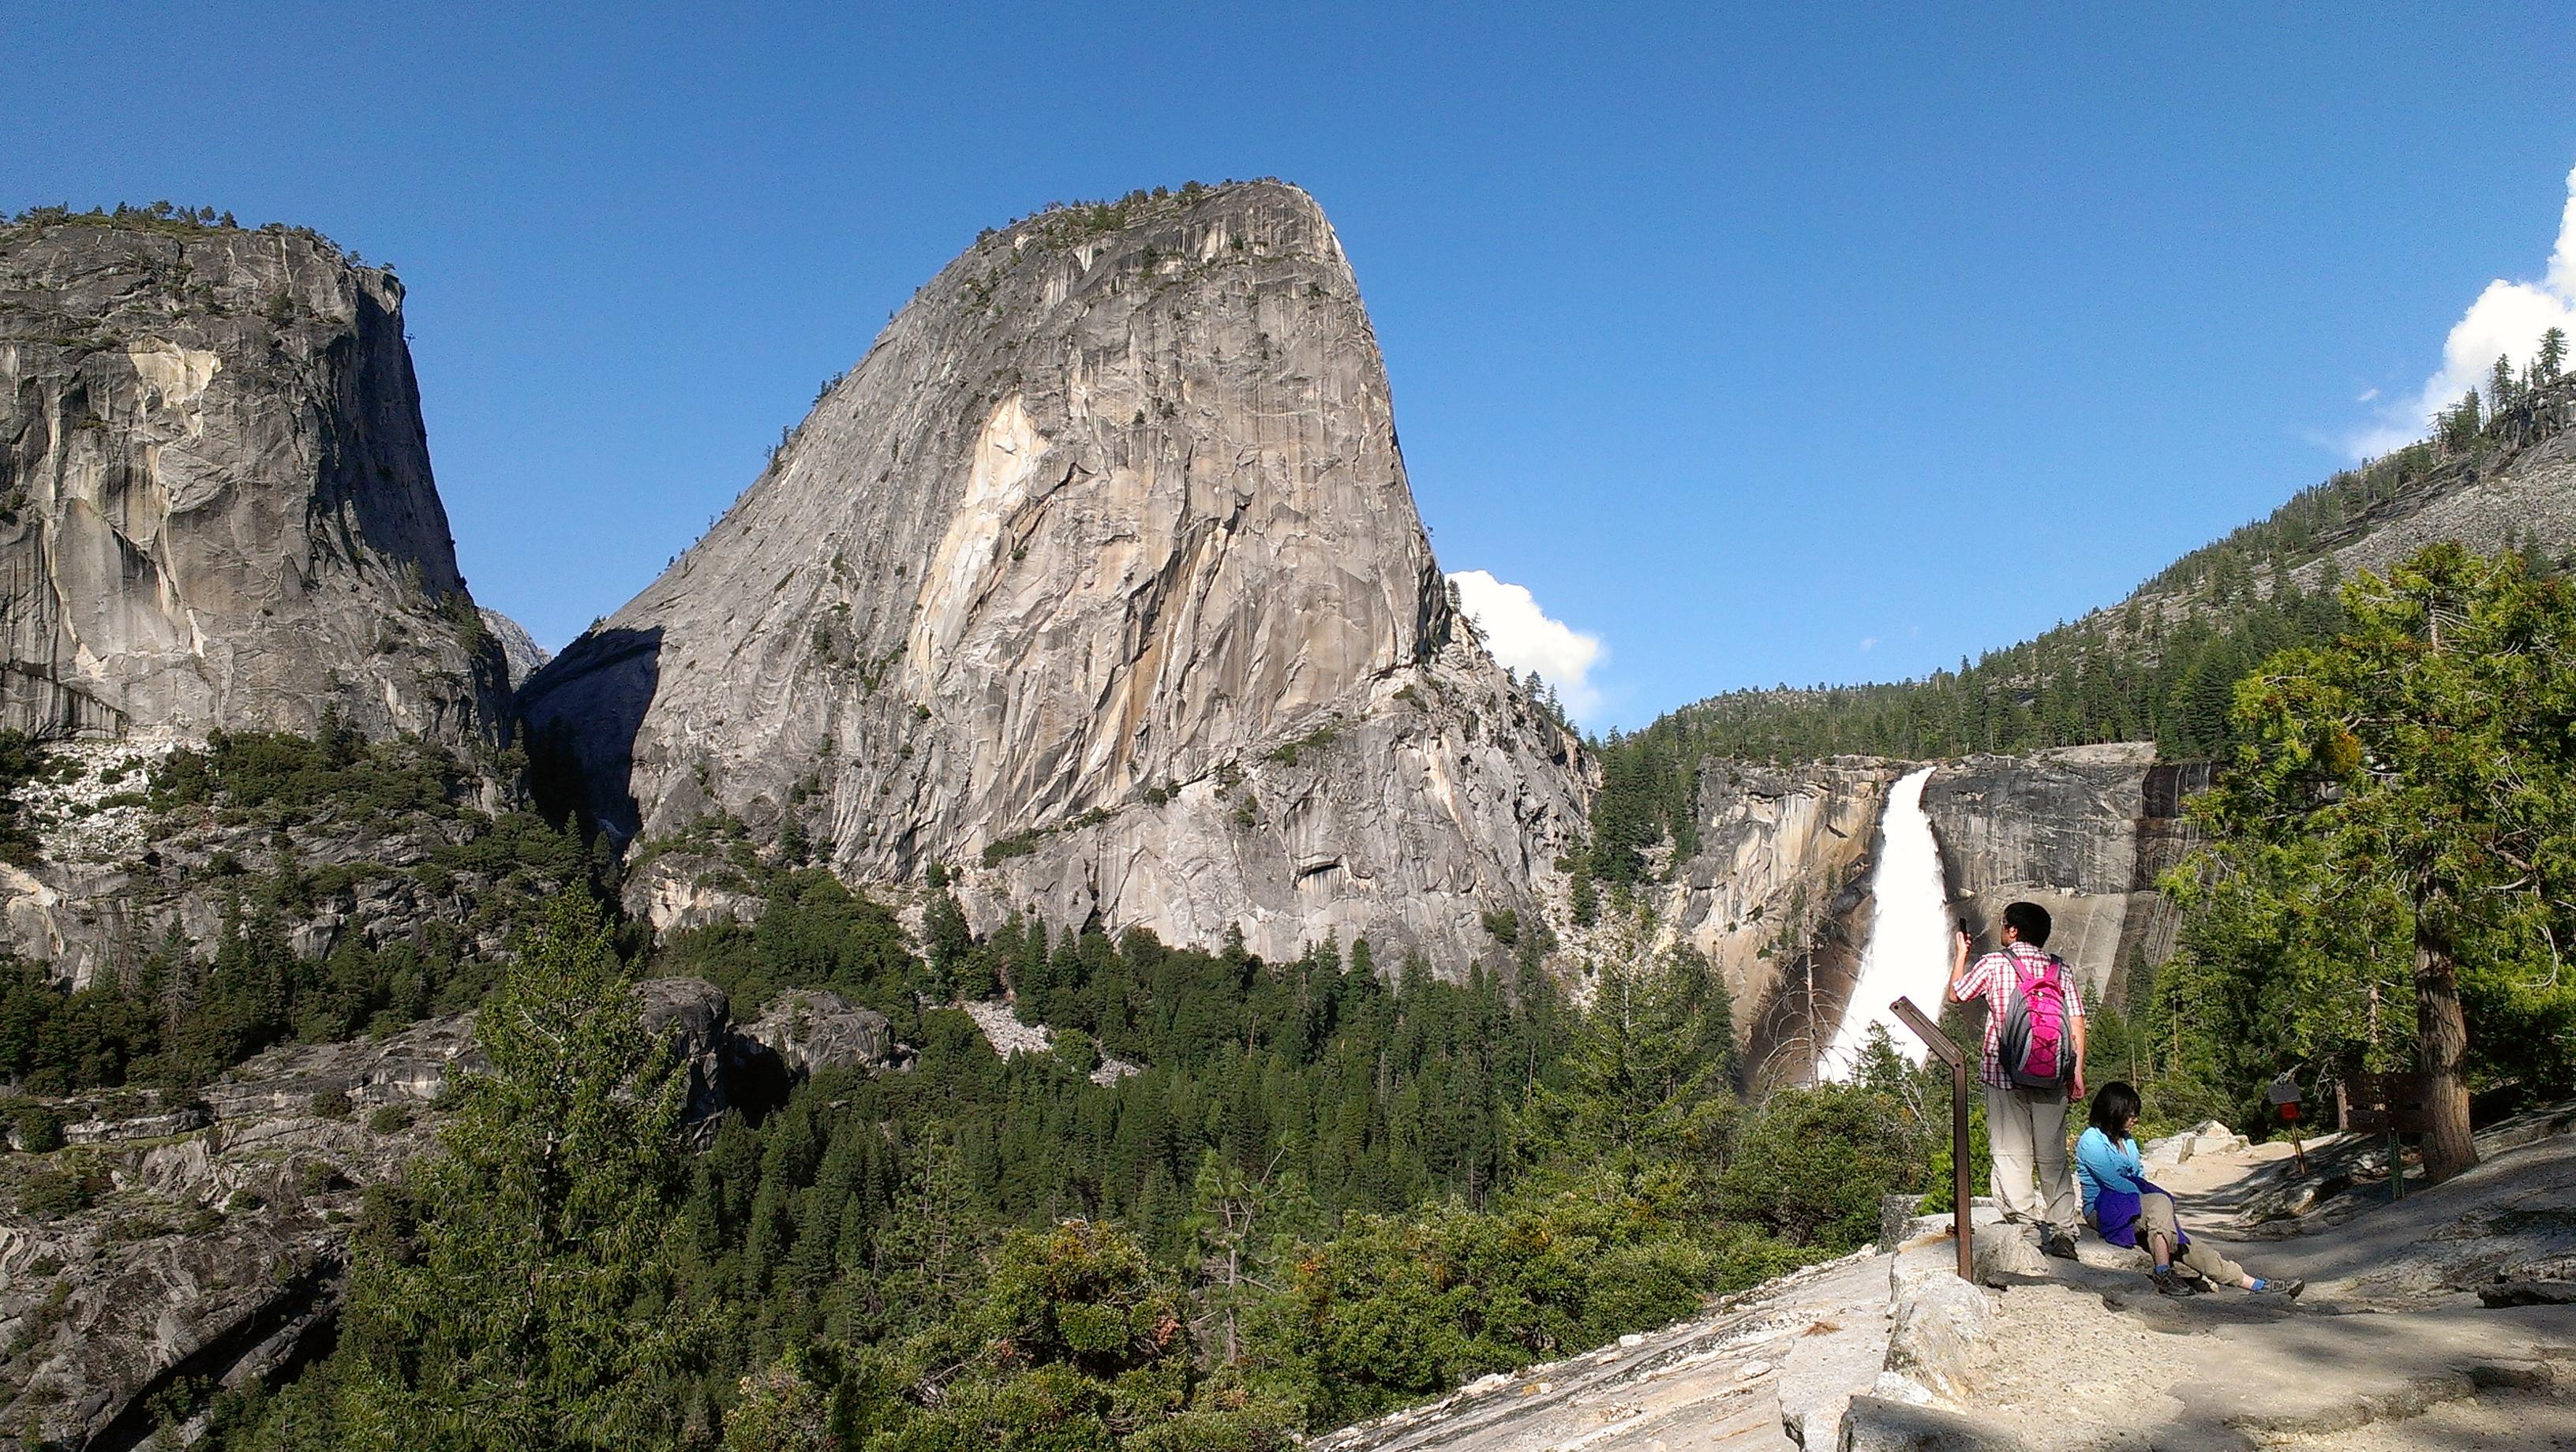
pixel 2025 1126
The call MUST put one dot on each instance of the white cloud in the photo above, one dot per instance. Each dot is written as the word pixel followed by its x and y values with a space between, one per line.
pixel 2506 320
pixel 1869 642
pixel 1521 636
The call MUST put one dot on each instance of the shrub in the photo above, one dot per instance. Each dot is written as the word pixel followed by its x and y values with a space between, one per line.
pixel 1812 1163
pixel 35 1128
pixel 45 1194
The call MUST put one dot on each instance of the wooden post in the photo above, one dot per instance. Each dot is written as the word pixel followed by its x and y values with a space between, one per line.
pixel 1962 1222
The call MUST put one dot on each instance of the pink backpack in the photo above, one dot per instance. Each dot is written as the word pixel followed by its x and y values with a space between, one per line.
pixel 2033 1050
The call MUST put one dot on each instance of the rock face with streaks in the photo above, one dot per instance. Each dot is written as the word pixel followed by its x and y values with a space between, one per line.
pixel 1783 853
pixel 1099 581
pixel 520 652
pixel 2083 831
pixel 1777 896
pixel 216 507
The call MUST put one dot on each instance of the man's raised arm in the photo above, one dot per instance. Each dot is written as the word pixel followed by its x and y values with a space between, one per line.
pixel 1958 963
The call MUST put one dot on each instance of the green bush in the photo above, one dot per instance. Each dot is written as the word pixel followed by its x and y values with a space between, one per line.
pixel 1401 1307
pixel 45 1194
pixel 35 1128
pixel 1811 1164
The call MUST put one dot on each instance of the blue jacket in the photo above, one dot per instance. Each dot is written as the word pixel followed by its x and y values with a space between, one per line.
pixel 2113 1179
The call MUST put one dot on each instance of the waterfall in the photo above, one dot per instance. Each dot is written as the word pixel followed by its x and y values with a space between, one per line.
pixel 1908 954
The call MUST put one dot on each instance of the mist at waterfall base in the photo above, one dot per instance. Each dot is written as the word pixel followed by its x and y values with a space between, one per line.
pixel 1908 954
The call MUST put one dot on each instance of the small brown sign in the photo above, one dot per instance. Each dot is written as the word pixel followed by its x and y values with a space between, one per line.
pixel 2380 1103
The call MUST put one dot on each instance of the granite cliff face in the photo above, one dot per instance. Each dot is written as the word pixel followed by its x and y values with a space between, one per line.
pixel 1770 895
pixel 520 653
pixel 215 498
pixel 1099 581
pixel 2083 831
pixel 1777 897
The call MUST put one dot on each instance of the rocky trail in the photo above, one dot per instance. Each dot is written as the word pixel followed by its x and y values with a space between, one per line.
pixel 2440 1320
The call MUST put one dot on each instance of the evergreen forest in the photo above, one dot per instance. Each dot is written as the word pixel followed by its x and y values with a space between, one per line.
pixel 1328 1191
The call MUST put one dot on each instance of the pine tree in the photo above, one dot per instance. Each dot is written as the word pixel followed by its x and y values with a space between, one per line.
pixel 2407 793
pixel 2502 387
pixel 531 1304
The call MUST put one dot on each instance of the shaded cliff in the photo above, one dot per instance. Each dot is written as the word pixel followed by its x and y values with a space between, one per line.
pixel 520 653
pixel 1774 896
pixel 216 507
pixel 1099 582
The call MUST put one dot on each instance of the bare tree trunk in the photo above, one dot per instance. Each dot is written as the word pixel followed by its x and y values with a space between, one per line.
pixel 2442 1036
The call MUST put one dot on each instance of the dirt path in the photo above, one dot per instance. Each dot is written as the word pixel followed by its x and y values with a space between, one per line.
pixel 2391 1347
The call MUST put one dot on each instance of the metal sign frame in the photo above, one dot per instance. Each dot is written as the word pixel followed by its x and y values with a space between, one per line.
pixel 1962 1221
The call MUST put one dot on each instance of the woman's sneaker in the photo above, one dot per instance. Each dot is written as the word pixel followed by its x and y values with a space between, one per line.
pixel 2170 1284
pixel 2057 1243
pixel 2289 1287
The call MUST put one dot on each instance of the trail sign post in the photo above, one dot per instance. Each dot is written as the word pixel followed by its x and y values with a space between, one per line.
pixel 1962 1221
pixel 2389 1104
pixel 2283 1096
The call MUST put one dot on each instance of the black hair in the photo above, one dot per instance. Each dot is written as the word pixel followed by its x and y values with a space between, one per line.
pixel 2030 921
pixel 2114 1105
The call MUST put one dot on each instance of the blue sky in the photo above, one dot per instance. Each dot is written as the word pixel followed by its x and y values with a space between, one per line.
pixel 1755 347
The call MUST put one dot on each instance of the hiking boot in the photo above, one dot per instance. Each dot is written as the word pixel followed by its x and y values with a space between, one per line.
pixel 2169 1284
pixel 2290 1287
pixel 2058 1243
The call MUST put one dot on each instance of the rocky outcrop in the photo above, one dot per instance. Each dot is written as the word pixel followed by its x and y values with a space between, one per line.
pixel 216 507
pixel 1098 581
pixel 1783 852
pixel 2518 495
pixel 122 878
pixel 679 889
pixel 520 653
pixel 814 1030
pixel 2084 831
pixel 693 1017
pixel 199 1258
pixel 174 1249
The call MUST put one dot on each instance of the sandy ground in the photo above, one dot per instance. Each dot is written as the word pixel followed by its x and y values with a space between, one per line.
pixel 2495 1422
pixel 2390 1348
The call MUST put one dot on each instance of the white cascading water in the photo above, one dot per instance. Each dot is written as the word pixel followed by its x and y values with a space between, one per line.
pixel 1908 954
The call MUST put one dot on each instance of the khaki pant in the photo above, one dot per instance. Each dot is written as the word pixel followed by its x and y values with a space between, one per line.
pixel 2026 1129
pixel 2156 1217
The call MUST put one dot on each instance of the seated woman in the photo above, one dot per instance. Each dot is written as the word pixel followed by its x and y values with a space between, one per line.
pixel 2125 1207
